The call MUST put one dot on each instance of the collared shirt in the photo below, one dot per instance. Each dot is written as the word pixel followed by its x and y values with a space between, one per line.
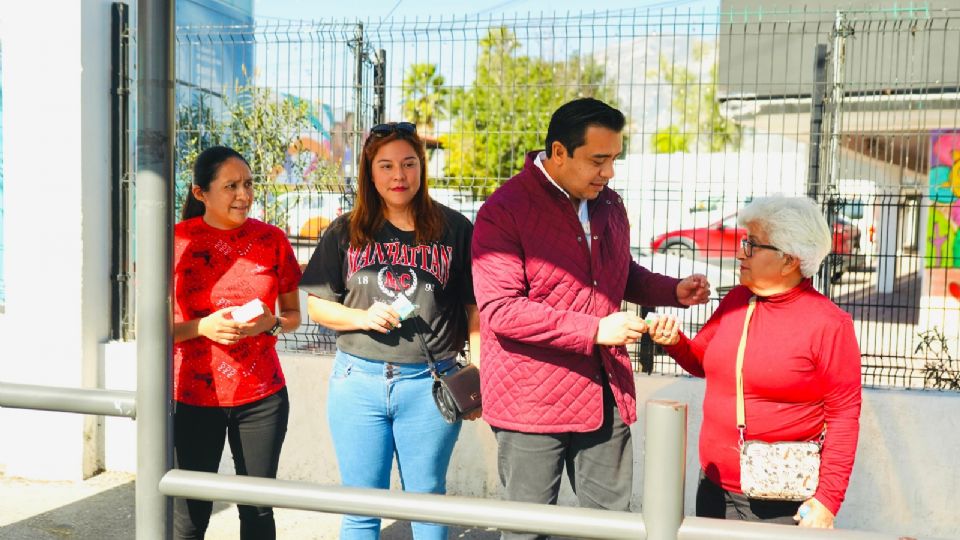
pixel 582 212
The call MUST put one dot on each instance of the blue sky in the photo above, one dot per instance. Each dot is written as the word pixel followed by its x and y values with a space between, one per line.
pixel 375 9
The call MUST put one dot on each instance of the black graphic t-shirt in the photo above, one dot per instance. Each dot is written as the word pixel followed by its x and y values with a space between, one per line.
pixel 435 277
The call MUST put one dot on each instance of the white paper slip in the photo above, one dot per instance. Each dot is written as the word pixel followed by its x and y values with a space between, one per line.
pixel 403 306
pixel 249 311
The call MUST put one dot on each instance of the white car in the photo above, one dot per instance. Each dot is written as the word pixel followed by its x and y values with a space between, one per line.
pixel 303 214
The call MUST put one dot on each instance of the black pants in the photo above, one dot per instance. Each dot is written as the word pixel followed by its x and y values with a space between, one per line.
pixel 715 502
pixel 255 431
pixel 599 465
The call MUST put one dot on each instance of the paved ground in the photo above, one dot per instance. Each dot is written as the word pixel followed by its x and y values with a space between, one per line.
pixel 102 508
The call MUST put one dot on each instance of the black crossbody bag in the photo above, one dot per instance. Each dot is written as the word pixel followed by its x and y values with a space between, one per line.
pixel 456 391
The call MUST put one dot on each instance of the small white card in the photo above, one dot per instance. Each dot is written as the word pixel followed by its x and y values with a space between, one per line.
pixel 249 311
pixel 403 306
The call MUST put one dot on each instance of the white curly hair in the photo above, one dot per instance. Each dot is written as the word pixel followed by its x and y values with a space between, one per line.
pixel 795 225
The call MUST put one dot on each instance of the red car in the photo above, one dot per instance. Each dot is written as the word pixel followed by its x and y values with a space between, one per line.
pixel 721 240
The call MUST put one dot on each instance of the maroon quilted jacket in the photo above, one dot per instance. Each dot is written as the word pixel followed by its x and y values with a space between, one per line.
pixel 541 293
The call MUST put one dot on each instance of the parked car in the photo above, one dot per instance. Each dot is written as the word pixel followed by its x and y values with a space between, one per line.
pixel 721 240
pixel 303 214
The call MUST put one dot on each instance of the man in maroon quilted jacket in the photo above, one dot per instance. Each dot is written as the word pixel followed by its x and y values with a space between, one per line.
pixel 551 265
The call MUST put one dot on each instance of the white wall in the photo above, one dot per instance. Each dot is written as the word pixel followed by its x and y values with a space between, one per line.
pixel 57 204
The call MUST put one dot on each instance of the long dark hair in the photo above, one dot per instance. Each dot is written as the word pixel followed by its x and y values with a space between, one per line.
pixel 205 169
pixel 367 215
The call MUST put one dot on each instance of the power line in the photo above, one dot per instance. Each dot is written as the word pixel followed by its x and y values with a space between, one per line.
pixel 395 6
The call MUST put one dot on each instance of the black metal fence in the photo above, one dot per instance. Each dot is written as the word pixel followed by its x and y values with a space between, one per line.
pixel 855 109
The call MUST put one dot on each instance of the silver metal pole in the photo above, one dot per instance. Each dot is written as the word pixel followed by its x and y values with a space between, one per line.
pixel 75 400
pixel 358 99
pixel 155 137
pixel 695 528
pixel 664 465
pixel 505 515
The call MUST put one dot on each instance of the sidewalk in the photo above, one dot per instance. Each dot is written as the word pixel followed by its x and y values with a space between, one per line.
pixel 102 508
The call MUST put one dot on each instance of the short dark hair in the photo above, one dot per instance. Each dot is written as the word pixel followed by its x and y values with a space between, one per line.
pixel 569 123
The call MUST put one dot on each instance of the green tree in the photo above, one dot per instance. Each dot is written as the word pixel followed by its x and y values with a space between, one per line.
pixel 424 96
pixel 505 112
pixel 670 140
pixel 696 110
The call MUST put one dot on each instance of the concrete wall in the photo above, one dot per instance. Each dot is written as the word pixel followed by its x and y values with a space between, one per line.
pixel 57 191
pixel 904 481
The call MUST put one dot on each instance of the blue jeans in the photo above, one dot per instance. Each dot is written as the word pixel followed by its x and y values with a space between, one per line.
pixel 377 410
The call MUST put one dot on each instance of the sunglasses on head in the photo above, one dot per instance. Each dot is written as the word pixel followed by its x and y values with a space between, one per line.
pixel 382 130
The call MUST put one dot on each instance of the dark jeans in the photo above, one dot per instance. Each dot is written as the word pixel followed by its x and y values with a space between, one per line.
pixel 715 502
pixel 255 431
pixel 599 464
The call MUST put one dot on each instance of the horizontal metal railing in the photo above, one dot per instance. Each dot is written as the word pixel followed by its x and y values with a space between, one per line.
pixel 446 509
pixel 75 400
pixel 474 512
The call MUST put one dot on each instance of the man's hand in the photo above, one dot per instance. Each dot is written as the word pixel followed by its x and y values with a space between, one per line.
pixel 693 289
pixel 620 328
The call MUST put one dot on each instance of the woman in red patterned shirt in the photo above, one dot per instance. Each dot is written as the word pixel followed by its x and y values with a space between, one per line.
pixel 227 377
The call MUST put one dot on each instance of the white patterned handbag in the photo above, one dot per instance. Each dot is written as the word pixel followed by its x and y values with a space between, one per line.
pixel 785 471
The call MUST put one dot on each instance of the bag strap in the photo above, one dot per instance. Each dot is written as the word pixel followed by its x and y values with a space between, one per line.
pixel 431 363
pixel 741 414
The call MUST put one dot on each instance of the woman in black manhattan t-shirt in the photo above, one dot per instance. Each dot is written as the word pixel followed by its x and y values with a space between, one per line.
pixel 396 250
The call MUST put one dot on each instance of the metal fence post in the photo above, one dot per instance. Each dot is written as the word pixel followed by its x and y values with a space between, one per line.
pixel 358 97
pixel 155 138
pixel 380 87
pixel 828 189
pixel 121 304
pixel 816 120
pixel 664 466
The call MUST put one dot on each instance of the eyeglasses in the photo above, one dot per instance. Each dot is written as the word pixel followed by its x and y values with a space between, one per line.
pixel 382 130
pixel 749 245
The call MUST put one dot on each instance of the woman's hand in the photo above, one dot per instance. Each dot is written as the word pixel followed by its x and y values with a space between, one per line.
pixel 814 515
pixel 259 324
pixel 665 330
pixel 379 318
pixel 218 328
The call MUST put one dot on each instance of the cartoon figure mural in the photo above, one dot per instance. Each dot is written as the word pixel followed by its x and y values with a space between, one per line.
pixel 326 145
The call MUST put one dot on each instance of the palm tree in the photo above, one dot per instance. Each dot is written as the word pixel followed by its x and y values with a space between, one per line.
pixel 424 96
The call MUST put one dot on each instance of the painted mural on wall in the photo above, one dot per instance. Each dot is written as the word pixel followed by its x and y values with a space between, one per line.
pixel 943 226
pixel 943 246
